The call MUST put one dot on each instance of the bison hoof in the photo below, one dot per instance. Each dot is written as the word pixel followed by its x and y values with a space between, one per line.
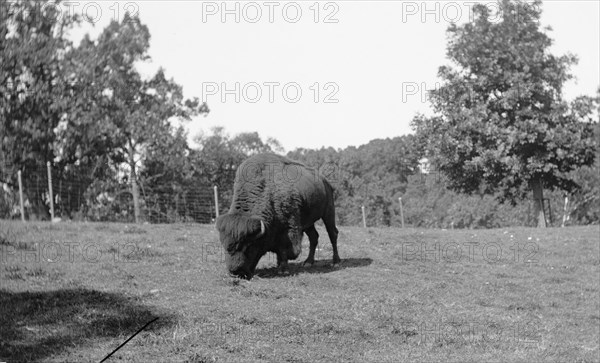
pixel 309 261
pixel 283 269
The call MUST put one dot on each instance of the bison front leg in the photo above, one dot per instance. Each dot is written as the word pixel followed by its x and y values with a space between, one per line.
pixel 290 248
pixel 313 237
pixel 282 261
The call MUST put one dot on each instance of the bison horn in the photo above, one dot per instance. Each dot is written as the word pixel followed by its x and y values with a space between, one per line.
pixel 262 229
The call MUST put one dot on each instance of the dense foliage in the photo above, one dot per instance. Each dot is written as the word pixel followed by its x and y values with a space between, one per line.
pixel 377 174
pixel 119 152
pixel 502 125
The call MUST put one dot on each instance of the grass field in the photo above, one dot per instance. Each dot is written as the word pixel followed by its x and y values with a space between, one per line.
pixel 76 291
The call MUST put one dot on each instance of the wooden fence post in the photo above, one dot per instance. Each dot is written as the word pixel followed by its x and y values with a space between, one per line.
pixel 401 211
pixel 363 215
pixel 216 202
pixel 565 211
pixel 50 191
pixel 21 196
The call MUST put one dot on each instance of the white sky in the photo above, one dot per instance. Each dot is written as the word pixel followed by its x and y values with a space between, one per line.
pixel 376 56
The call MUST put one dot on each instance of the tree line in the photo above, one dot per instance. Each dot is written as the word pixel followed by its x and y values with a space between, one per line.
pixel 119 150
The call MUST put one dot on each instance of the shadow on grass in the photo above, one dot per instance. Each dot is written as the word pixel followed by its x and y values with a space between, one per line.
pixel 37 325
pixel 319 267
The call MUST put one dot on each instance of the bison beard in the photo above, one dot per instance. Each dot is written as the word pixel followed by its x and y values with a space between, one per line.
pixel 271 209
pixel 240 233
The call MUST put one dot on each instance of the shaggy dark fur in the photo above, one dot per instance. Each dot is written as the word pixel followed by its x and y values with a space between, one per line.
pixel 289 198
pixel 238 227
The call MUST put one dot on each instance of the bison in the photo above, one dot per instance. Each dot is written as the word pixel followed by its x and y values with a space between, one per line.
pixel 275 200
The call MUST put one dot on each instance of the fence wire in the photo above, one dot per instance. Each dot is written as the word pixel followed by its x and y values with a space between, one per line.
pixel 105 194
pixel 79 195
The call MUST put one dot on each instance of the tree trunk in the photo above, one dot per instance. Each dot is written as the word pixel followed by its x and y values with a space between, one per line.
pixel 134 186
pixel 538 199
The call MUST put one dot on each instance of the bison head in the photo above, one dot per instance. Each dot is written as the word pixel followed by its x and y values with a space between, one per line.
pixel 239 234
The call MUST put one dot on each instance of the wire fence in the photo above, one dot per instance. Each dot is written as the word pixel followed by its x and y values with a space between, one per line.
pixel 50 193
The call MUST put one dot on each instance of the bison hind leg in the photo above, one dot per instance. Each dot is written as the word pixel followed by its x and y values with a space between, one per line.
pixel 313 237
pixel 332 231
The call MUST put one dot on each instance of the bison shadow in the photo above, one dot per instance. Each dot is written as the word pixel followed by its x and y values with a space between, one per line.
pixel 319 267
pixel 38 325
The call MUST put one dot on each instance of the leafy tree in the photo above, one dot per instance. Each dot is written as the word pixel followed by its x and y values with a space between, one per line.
pixel 33 93
pixel 250 143
pixel 585 202
pixel 166 179
pixel 501 122
pixel 116 111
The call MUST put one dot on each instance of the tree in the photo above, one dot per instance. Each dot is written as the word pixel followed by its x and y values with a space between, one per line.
pixel 126 112
pixel 250 143
pixel 502 124
pixel 34 95
pixel 585 203
pixel 166 178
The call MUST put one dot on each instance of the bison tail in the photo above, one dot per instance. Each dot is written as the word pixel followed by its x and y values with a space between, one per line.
pixel 330 189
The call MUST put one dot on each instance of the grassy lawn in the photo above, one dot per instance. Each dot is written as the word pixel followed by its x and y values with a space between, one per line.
pixel 76 291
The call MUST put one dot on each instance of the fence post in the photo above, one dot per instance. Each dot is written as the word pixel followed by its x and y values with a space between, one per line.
pixel 549 212
pixel 21 196
pixel 565 209
pixel 401 212
pixel 216 202
pixel 50 191
pixel 363 215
